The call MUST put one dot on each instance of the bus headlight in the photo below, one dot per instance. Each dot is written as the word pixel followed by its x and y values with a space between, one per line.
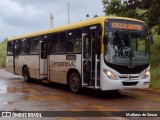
pixel 110 74
pixel 146 74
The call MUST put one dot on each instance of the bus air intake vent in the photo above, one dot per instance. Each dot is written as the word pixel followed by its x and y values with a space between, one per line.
pixel 129 83
pixel 126 77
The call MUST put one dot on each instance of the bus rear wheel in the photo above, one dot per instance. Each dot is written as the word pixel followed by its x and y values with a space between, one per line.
pixel 74 82
pixel 26 75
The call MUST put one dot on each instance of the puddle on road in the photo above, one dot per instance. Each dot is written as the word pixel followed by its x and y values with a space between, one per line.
pixel 138 95
pixel 37 97
pixel 47 97
pixel 68 118
pixel 103 108
pixel 21 90
pixel 74 109
pixel 6 103
pixel 42 97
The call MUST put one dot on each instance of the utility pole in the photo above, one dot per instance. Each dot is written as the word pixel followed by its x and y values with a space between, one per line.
pixel 68 12
pixel 51 19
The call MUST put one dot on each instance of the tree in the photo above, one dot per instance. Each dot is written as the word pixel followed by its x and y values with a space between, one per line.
pixel 146 10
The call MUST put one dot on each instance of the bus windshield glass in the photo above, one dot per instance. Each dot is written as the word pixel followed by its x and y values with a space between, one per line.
pixel 127 45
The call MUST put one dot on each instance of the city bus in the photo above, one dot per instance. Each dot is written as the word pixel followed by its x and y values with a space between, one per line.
pixel 104 53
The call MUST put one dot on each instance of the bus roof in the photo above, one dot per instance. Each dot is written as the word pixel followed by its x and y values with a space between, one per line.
pixel 70 26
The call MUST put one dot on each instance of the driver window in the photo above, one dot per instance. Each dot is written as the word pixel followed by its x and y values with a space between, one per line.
pixel 110 37
pixel 125 39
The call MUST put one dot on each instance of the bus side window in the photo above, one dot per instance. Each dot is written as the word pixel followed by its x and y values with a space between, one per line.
pixel 62 42
pixel 74 41
pixel 31 45
pixel 17 47
pixel 24 46
pixel 10 48
pixel 54 43
pixel 87 47
pixel 36 45
pixel 47 39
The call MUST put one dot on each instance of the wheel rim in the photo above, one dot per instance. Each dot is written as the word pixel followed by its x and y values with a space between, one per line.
pixel 74 82
pixel 25 75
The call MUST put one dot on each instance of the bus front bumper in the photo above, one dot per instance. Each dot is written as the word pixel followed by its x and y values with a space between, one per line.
pixel 107 84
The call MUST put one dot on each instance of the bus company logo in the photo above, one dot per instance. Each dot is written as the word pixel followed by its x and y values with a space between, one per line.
pixel 6 114
pixel 63 64
pixel 130 77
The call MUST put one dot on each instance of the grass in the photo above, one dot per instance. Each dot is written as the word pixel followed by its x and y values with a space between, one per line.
pixel 155 60
pixel 3 49
pixel 155 63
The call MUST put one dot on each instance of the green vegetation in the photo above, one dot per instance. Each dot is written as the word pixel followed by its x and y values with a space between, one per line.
pixel 3 49
pixel 155 63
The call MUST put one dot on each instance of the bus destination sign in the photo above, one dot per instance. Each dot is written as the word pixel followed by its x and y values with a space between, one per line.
pixel 128 26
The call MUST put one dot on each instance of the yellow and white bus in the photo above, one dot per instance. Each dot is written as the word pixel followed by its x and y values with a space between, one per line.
pixel 106 53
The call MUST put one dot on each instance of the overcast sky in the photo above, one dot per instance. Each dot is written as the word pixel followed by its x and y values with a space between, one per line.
pixel 24 16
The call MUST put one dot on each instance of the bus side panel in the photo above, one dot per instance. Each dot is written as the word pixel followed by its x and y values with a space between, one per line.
pixel 9 64
pixel 32 63
pixel 60 64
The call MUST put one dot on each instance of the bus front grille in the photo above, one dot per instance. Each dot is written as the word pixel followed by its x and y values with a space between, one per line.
pixel 129 83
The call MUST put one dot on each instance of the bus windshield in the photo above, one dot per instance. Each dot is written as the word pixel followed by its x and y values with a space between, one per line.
pixel 127 48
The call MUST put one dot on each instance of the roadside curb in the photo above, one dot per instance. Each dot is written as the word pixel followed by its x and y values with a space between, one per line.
pixel 155 92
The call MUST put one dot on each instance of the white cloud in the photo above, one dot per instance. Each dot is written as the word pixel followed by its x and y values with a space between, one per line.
pixel 15 15
pixel 25 16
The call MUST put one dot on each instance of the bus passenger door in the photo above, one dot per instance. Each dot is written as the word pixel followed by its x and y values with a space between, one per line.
pixel 16 58
pixel 90 59
pixel 86 60
pixel 43 60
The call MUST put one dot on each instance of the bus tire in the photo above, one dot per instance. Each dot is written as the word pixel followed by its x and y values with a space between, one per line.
pixel 74 82
pixel 26 75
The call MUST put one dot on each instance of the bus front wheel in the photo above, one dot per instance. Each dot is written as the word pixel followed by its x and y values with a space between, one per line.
pixel 26 74
pixel 74 82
